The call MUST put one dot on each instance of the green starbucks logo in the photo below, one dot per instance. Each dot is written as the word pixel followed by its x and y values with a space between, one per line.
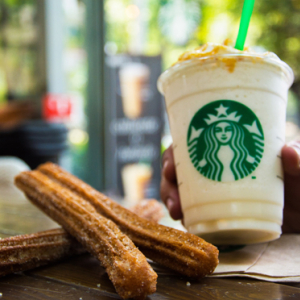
pixel 225 141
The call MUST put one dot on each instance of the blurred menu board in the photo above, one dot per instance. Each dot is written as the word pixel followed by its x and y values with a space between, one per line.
pixel 134 122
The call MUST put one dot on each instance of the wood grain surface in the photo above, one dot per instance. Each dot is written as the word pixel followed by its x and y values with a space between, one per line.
pixel 82 277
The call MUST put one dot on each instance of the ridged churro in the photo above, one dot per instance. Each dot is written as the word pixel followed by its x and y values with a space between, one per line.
pixel 28 251
pixel 126 266
pixel 177 250
pixel 149 209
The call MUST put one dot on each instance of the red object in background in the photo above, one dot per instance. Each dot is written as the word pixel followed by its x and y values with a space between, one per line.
pixel 57 107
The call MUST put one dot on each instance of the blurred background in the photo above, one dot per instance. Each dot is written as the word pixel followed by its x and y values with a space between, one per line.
pixel 78 79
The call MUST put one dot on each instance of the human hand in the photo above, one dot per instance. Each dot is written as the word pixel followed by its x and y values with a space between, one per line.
pixel 168 187
pixel 291 166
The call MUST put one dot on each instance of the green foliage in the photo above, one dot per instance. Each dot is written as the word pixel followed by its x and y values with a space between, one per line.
pixel 275 26
pixel 11 8
pixel 18 46
pixel 17 3
pixel 116 25
pixel 280 27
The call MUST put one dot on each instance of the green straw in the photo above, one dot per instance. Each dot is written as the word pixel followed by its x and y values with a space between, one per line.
pixel 244 24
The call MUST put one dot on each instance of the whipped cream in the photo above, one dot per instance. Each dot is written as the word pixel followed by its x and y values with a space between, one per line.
pixel 211 49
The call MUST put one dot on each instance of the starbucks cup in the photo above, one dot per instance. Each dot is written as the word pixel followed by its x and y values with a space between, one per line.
pixel 227 119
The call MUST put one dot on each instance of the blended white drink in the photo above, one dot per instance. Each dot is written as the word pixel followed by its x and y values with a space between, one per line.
pixel 227 113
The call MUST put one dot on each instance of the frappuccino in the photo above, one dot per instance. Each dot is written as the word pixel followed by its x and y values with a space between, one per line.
pixel 227 112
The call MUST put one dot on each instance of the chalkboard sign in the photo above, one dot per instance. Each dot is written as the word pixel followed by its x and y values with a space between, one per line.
pixel 134 122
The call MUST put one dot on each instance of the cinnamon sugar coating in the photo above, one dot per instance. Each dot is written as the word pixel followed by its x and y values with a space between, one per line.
pixel 126 266
pixel 180 251
pixel 28 251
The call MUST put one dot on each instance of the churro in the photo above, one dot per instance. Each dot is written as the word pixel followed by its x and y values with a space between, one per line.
pixel 28 251
pixel 149 209
pixel 183 252
pixel 126 266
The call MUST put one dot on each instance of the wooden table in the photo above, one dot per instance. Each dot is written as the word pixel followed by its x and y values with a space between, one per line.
pixel 82 277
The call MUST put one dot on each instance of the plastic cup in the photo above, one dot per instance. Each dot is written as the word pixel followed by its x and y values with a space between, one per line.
pixel 227 117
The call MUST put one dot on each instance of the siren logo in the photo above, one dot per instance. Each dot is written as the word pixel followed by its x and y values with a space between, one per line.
pixel 225 141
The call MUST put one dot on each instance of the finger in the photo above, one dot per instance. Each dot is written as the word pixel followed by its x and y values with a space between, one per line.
pixel 170 196
pixel 291 158
pixel 174 208
pixel 168 190
pixel 168 169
